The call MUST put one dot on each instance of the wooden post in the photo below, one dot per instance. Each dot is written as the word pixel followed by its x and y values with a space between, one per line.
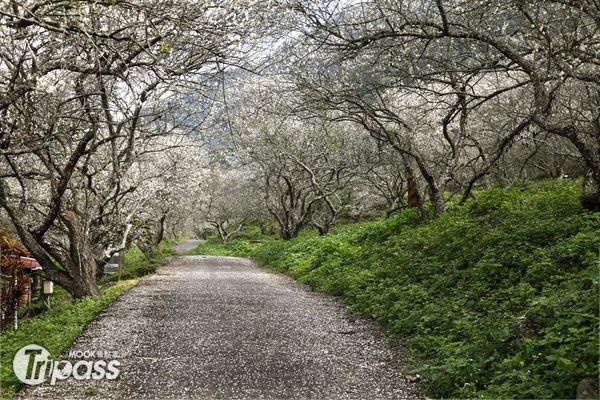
pixel 119 260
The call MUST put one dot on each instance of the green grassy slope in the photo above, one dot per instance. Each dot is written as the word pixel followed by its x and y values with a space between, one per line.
pixel 496 298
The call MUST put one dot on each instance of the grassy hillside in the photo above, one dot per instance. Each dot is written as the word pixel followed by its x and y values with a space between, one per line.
pixel 496 298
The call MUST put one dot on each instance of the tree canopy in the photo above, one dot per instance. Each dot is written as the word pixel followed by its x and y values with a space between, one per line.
pixel 121 122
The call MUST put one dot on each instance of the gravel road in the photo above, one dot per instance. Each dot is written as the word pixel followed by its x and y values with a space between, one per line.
pixel 222 328
pixel 187 246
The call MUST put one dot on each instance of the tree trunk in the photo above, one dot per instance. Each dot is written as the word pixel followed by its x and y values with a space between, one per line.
pixel 289 232
pixel 223 236
pixel 160 235
pixel 82 263
pixel 149 247
pixel 147 250
pixel 286 234
pixel 322 229
pixel 414 197
pixel 590 200
pixel 84 283
pixel 79 277
pixel 325 227
pixel 437 199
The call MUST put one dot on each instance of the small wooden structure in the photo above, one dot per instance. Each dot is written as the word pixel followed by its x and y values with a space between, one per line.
pixel 32 271
pixel 20 279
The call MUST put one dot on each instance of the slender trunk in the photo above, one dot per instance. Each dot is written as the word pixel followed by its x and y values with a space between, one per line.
pixel 160 235
pixel 326 226
pixel 322 229
pixel 414 197
pixel 221 232
pixel 435 193
pixel 437 199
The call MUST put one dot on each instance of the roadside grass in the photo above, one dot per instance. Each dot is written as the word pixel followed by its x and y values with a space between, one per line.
pixel 244 245
pixel 498 298
pixel 136 265
pixel 237 247
pixel 59 327
pixel 55 329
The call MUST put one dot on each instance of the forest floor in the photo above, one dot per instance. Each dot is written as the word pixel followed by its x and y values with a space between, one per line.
pixel 222 327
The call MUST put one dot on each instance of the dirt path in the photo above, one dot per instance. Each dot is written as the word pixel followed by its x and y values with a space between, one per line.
pixel 222 328
pixel 186 246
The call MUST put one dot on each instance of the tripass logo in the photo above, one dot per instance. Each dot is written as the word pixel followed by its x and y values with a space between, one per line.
pixel 33 365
